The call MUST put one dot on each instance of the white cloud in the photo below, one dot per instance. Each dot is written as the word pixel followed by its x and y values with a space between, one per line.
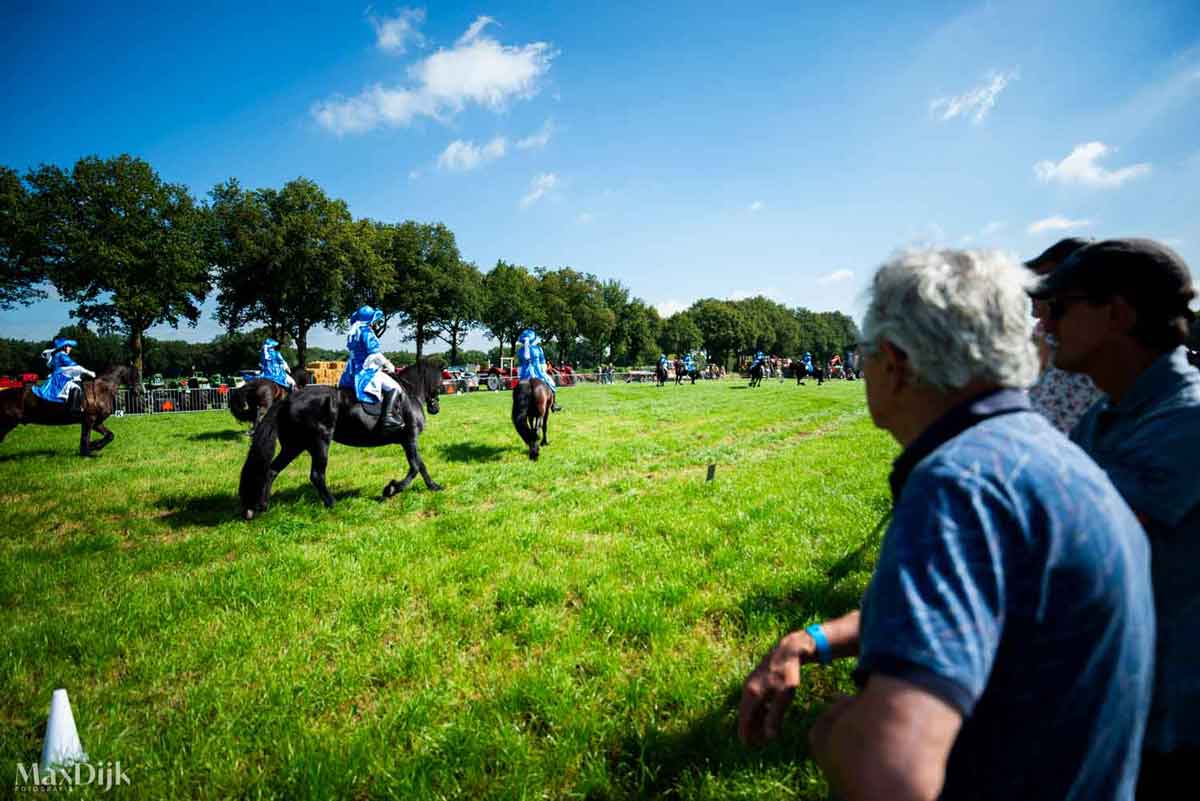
pixel 539 186
pixel 993 227
pixel 835 277
pixel 585 218
pixel 460 156
pixel 477 70
pixel 755 206
pixel 539 139
pixel 476 28
pixel 1056 223
pixel 1080 167
pixel 395 33
pixel 667 308
pixel 976 102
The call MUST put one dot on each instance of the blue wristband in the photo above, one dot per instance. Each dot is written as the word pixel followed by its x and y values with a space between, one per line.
pixel 824 651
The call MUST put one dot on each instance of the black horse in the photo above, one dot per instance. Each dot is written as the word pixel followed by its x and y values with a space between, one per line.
pixel 20 406
pixel 532 403
pixel 315 416
pixel 249 402
pixel 660 375
pixel 757 370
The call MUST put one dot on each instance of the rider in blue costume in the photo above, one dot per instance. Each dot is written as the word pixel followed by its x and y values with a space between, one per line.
pixel 688 363
pixel 367 368
pixel 273 366
pixel 808 365
pixel 531 362
pixel 759 358
pixel 63 384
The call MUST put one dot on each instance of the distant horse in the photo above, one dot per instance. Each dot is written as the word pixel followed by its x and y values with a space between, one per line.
pixel 660 375
pixel 531 407
pixel 801 371
pixel 315 416
pixel 19 405
pixel 756 374
pixel 249 402
pixel 678 371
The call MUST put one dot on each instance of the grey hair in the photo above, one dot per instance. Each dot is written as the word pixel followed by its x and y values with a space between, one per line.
pixel 959 315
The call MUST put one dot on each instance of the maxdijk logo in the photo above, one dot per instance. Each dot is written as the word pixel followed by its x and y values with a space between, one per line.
pixel 32 779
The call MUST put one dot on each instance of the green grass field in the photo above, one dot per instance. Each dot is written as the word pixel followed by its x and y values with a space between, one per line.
pixel 577 627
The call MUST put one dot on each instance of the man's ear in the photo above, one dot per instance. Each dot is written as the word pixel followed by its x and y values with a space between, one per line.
pixel 895 365
pixel 1122 316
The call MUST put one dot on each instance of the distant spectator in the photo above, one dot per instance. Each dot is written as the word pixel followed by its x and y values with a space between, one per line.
pixel 1060 395
pixel 1006 638
pixel 1120 311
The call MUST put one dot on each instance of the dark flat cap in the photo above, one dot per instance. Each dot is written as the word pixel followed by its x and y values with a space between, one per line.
pixel 1058 252
pixel 1149 275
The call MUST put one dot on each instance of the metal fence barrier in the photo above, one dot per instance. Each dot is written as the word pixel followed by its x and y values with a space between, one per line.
pixel 170 401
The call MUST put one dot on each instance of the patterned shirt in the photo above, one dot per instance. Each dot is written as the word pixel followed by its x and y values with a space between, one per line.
pixel 1014 584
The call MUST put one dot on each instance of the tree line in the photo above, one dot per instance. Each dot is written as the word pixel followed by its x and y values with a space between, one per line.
pixel 132 251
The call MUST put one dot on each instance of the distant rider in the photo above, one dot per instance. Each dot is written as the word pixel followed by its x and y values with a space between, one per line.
pixel 531 361
pixel 808 365
pixel 274 367
pixel 689 365
pixel 759 359
pixel 63 385
pixel 366 366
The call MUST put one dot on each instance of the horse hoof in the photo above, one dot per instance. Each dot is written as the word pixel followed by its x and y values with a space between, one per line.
pixel 436 488
pixel 389 490
pixel 248 514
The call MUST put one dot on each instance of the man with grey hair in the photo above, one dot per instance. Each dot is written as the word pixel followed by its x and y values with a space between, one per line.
pixel 1005 642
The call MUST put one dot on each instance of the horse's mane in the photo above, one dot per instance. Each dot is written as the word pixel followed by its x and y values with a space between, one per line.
pixel 118 374
pixel 423 379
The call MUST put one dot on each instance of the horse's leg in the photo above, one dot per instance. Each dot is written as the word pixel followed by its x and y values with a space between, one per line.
pixel 545 424
pixel 320 459
pixel 108 437
pixel 414 459
pixel 85 436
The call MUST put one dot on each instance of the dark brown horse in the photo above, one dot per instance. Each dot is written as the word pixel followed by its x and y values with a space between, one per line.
pixel 249 402
pixel 532 403
pixel 20 406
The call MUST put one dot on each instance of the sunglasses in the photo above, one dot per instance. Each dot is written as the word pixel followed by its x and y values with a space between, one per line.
pixel 1057 307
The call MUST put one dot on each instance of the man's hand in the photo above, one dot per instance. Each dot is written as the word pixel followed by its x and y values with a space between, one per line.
pixel 769 690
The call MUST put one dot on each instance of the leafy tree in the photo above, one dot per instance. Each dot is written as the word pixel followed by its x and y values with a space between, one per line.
pixel 20 269
pixel 679 334
pixel 573 306
pixel 419 260
pixel 286 258
pixel 724 330
pixel 510 304
pixel 121 244
pixel 461 305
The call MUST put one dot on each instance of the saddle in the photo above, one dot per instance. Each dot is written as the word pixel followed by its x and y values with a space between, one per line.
pixel 66 411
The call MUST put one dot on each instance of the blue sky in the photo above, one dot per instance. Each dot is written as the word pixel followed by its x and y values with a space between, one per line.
pixel 686 149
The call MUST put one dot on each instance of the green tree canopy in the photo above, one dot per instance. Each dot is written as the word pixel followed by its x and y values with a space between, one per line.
pixel 287 258
pixel 21 271
pixel 724 329
pixel 510 303
pixel 121 244
pixel 679 334
pixel 461 305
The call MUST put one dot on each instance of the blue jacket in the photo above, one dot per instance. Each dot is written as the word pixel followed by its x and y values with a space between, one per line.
pixel 273 366
pixel 531 361
pixel 52 390
pixel 361 343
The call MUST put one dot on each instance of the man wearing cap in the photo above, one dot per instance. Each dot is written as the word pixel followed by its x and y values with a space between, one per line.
pixel 63 384
pixel 1061 396
pixel 1120 312
pixel 1005 641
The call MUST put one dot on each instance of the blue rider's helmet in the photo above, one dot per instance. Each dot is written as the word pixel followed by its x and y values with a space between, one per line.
pixel 365 314
pixel 270 343
pixel 530 336
pixel 63 342
pixel 807 355
pixel 760 355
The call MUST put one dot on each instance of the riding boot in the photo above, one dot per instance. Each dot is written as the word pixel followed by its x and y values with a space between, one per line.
pixel 554 407
pixel 389 417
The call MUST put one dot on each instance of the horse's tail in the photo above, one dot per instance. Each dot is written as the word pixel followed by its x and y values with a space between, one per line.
pixel 522 398
pixel 255 481
pixel 239 406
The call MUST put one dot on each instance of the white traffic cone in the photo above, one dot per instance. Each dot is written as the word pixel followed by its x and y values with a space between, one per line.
pixel 62 746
